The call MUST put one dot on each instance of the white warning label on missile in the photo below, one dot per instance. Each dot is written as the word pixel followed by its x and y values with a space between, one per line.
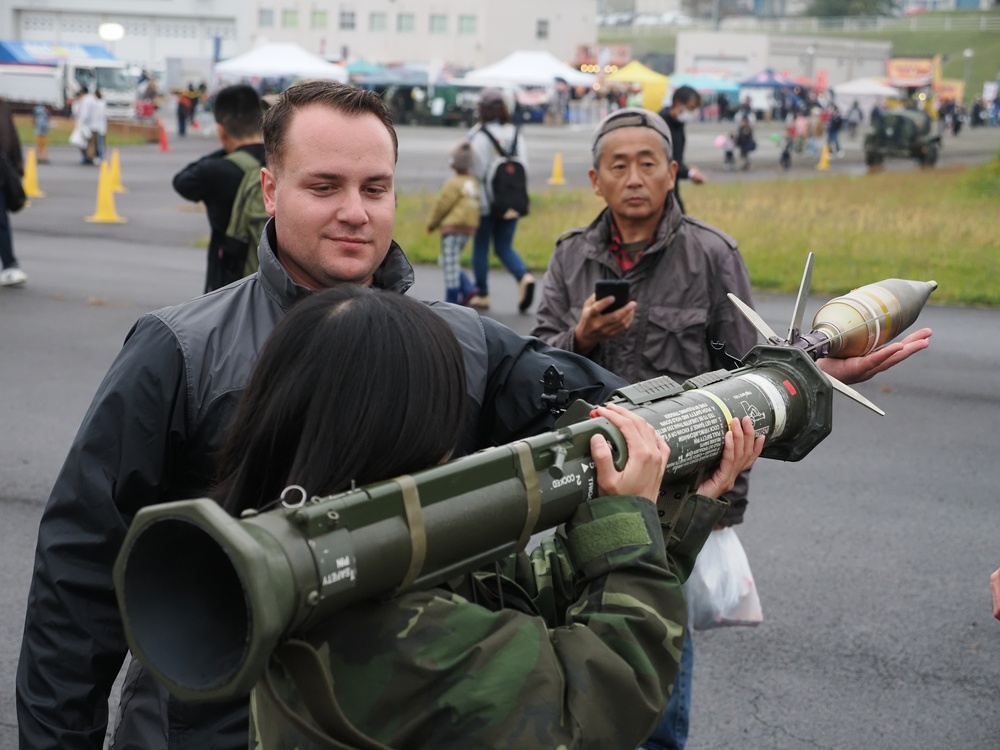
pixel 694 433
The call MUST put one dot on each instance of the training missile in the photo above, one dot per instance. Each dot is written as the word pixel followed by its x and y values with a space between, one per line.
pixel 852 325
pixel 857 323
pixel 205 597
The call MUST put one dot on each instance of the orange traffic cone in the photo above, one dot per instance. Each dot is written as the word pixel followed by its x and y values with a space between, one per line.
pixel 116 173
pixel 105 212
pixel 557 170
pixel 164 142
pixel 30 179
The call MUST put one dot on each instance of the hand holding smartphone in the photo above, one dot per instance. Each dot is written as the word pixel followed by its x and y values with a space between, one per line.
pixel 617 288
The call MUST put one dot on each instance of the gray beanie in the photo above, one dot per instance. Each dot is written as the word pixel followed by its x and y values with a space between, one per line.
pixel 461 156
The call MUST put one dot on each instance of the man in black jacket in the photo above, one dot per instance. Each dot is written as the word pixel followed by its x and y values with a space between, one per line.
pixel 215 178
pixel 158 420
pixel 683 109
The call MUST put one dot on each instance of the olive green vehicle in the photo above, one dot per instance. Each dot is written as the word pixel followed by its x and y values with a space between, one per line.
pixel 904 133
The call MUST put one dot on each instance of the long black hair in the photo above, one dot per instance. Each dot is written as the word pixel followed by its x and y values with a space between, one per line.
pixel 354 385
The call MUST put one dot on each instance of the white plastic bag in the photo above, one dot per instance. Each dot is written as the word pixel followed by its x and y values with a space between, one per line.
pixel 80 136
pixel 721 591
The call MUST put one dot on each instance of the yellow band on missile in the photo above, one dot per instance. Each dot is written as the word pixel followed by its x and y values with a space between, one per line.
pixel 418 531
pixel 719 402
pixel 531 492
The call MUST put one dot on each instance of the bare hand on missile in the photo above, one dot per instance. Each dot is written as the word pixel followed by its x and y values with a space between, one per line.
pixel 859 369
pixel 739 452
pixel 647 456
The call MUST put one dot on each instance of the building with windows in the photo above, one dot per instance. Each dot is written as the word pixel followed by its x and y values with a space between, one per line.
pixel 466 33
pixel 180 38
pixel 155 30
pixel 736 56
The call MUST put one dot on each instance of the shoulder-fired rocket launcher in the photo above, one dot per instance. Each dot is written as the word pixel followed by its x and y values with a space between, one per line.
pixel 205 597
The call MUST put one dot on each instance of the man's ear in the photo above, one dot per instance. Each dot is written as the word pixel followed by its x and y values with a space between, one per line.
pixel 269 186
pixel 672 168
pixel 592 173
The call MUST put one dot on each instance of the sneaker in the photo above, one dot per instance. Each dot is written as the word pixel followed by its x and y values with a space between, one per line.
pixel 479 301
pixel 527 287
pixel 12 276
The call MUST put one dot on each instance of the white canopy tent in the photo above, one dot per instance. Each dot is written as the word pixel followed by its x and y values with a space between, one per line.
pixel 529 68
pixel 864 87
pixel 279 60
pixel 867 92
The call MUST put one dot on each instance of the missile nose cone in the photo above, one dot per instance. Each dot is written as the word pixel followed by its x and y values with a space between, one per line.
pixel 912 293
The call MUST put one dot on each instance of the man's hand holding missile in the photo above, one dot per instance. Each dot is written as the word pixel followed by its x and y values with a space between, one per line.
pixel 648 455
pixel 860 369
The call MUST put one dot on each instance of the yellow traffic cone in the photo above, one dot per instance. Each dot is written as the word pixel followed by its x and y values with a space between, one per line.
pixel 30 179
pixel 105 212
pixel 557 170
pixel 116 173
pixel 824 159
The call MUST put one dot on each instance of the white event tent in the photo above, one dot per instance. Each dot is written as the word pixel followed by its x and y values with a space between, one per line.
pixel 867 92
pixel 864 87
pixel 279 60
pixel 529 68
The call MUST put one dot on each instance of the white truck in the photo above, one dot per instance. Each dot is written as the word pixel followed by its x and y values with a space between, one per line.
pixel 51 73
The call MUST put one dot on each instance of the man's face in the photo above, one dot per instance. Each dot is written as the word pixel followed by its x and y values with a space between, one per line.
pixel 332 197
pixel 634 174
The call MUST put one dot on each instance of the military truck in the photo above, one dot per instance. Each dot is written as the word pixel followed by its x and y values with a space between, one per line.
pixel 902 133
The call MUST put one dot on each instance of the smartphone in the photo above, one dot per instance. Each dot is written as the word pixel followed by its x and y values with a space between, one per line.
pixel 617 288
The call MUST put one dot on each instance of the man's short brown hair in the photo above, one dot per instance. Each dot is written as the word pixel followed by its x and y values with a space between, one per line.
pixel 341 97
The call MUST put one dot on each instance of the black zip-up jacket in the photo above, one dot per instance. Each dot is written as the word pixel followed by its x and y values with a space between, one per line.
pixel 152 435
pixel 214 180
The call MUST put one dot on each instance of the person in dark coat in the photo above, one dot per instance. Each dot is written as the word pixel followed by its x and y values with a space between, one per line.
pixel 10 144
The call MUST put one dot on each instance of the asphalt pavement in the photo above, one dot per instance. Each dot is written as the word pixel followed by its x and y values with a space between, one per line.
pixel 872 555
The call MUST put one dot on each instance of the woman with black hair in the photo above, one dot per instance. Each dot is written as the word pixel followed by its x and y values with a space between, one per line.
pixel 576 646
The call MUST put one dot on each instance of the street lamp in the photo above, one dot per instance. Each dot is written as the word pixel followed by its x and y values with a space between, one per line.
pixel 111 32
pixel 965 76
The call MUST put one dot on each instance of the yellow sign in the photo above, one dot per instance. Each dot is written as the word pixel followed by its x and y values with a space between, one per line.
pixel 909 72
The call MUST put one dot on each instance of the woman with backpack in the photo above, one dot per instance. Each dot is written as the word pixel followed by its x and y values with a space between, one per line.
pixel 497 142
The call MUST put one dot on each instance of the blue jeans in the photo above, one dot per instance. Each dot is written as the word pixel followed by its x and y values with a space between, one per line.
pixel 672 731
pixel 501 232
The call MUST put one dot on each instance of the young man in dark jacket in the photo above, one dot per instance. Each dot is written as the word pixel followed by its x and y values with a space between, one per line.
pixel 156 425
pixel 215 178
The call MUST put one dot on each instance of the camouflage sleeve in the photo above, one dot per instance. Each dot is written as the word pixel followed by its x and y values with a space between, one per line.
pixel 433 669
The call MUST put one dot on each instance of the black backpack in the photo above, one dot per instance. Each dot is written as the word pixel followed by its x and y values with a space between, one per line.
pixel 508 181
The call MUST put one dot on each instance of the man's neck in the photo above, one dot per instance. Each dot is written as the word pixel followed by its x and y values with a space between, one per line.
pixel 638 231
pixel 232 144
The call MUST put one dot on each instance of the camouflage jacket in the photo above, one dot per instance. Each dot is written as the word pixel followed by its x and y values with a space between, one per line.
pixel 581 652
